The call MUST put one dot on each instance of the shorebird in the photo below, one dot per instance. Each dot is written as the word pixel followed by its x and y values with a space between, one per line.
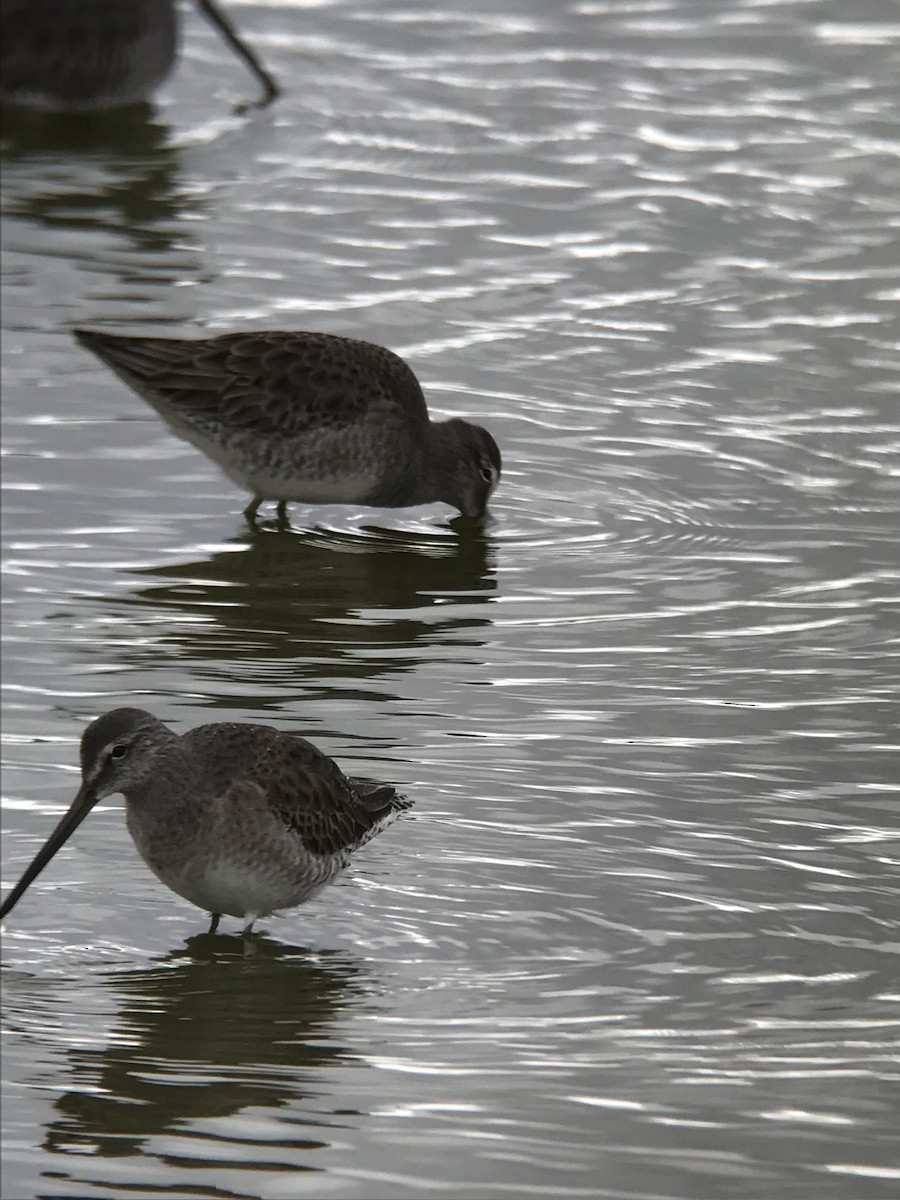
pixel 241 820
pixel 307 416
pixel 72 55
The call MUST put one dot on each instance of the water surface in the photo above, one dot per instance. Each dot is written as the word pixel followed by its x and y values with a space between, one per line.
pixel 638 937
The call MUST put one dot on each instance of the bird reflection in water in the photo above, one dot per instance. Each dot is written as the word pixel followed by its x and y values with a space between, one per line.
pixel 204 1035
pixel 320 606
pixel 113 173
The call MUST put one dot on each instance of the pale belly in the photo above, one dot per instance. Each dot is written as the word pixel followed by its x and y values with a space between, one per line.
pixel 238 891
pixel 346 489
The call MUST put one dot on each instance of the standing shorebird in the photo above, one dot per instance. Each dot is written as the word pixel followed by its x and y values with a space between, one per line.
pixel 238 819
pixel 307 416
pixel 75 55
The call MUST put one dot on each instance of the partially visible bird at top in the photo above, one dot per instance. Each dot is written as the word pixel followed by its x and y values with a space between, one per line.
pixel 76 55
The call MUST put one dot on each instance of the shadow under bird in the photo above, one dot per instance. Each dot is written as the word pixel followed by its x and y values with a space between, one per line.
pixel 307 416
pixel 78 55
pixel 242 820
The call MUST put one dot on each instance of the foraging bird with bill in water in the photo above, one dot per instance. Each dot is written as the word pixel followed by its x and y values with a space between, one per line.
pixel 312 417
pixel 242 820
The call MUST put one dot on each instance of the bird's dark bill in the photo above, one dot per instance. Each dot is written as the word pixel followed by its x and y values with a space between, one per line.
pixel 79 809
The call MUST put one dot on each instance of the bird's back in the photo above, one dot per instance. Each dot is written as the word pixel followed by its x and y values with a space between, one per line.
pixel 303 788
pixel 271 384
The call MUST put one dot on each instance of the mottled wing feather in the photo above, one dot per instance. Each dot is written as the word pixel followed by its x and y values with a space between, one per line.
pixel 274 383
pixel 303 787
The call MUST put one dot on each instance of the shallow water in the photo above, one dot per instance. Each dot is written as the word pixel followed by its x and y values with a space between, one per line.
pixel 638 937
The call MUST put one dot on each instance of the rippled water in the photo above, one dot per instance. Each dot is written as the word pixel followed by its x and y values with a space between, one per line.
pixel 639 936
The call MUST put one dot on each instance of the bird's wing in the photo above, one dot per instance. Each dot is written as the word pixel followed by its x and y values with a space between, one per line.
pixel 275 383
pixel 302 786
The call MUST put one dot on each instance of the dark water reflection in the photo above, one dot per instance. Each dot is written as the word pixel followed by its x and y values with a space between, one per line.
pixel 199 1038
pixel 318 607
pixel 113 172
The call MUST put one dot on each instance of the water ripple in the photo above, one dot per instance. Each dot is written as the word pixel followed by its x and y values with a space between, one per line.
pixel 638 935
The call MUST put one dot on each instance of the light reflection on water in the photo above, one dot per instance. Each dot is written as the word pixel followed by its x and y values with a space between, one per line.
pixel 638 936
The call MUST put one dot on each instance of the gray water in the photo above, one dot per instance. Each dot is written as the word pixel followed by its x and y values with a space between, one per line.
pixel 639 936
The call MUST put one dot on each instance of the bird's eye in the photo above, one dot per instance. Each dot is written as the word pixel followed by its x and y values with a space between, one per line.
pixel 118 751
pixel 487 474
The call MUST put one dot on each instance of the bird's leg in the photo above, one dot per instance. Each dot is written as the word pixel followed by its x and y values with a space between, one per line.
pixel 252 509
pixel 214 922
pixel 281 510
pixel 269 86
pixel 250 946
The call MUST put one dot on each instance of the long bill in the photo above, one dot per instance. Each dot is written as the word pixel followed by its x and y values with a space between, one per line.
pixel 78 810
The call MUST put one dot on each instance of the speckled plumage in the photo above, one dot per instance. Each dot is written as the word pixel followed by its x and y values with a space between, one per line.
pixel 237 818
pixel 307 416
